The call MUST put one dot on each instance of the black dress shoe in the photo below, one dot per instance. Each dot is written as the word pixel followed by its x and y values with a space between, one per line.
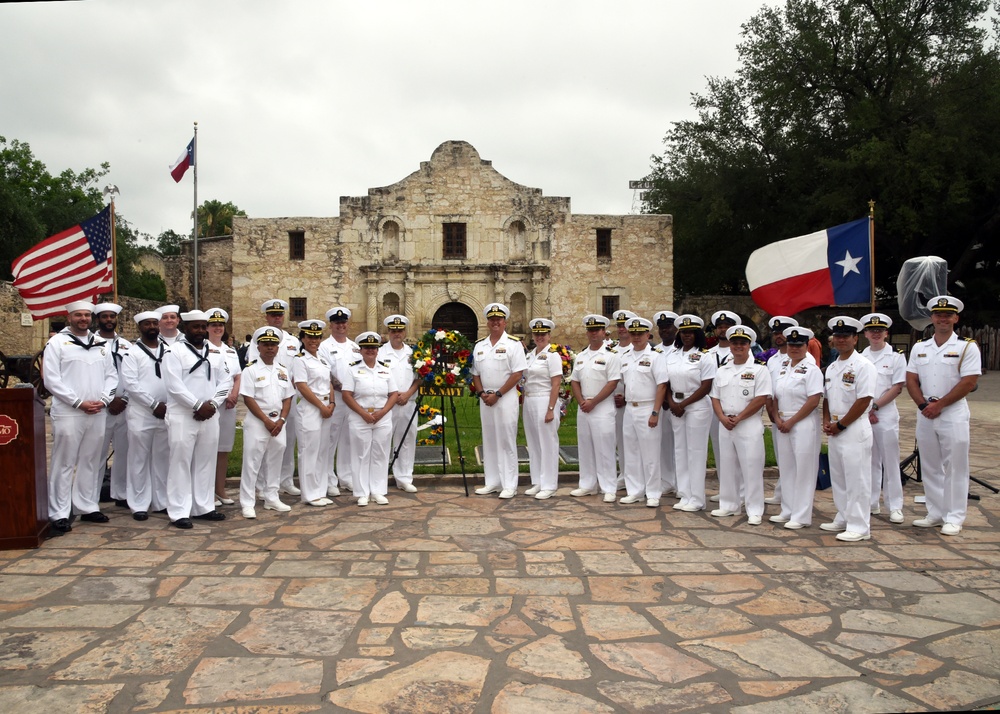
pixel 140 515
pixel 211 516
pixel 121 503
pixel 95 517
pixel 61 525
pixel 162 510
pixel 182 523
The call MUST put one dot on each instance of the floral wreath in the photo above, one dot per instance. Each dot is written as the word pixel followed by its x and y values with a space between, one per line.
pixel 426 410
pixel 443 358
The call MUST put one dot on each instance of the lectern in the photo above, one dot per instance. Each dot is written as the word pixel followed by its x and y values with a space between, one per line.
pixel 24 519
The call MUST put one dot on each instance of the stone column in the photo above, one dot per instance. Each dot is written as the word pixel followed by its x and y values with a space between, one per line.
pixel 372 318
pixel 409 306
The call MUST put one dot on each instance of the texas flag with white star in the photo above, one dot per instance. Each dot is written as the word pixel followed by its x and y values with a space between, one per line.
pixel 828 267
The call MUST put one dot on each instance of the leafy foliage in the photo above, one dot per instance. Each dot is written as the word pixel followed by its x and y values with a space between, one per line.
pixel 215 218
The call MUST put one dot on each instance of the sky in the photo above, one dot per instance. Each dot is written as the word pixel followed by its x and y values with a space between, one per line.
pixel 303 101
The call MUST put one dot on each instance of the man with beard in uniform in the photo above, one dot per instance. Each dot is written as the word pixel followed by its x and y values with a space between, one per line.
pixel 116 425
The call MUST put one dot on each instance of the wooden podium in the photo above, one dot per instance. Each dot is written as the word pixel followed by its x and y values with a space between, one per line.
pixel 24 492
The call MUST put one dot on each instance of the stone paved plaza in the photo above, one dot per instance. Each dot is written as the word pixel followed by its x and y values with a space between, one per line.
pixel 443 603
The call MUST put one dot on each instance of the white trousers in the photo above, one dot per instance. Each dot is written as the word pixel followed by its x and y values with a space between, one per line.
pixel 148 460
pixel 76 458
pixel 642 451
pixel 885 461
pixel 403 417
pixel 227 429
pixel 499 424
pixel 668 469
pixel 944 464
pixel 339 447
pixel 620 445
pixel 116 437
pixel 543 442
pixel 313 435
pixel 191 475
pixel 798 468
pixel 851 475
pixel 370 445
pixel 287 467
pixel 691 451
pixel 595 438
pixel 262 454
pixel 741 467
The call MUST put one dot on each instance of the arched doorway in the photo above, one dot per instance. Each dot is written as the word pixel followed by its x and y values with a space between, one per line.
pixel 457 316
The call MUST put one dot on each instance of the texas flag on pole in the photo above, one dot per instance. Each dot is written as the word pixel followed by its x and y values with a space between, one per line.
pixel 829 267
pixel 183 163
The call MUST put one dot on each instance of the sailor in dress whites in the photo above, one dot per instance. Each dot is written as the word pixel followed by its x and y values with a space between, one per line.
pixel 339 350
pixel 196 392
pixel 313 411
pixel 739 394
pixel 267 391
pixel 722 320
pixel 540 383
pixel 890 370
pixel 497 365
pixel 667 331
pixel 149 446
pixel 798 387
pixel 849 389
pixel 116 425
pixel 221 352
pixel 398 357
pixel 775 363
pixel 80 374
pixel 370 392
pixel 645 376
pixel 941 372
pixel 170 319
pixel 596 373
pixel 623 345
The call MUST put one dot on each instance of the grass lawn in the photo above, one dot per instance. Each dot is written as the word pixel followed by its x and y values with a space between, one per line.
pixel 470 434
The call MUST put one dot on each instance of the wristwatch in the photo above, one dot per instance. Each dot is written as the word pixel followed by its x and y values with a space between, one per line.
pixel 841 426
pixel 656 413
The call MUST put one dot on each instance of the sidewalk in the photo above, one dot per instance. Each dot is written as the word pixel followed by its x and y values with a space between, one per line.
pixel 438 602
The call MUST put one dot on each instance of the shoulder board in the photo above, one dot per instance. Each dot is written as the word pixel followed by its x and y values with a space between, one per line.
pixel 704 351
pixel 381 363
pixel 357 361
pixel 611 349
pixel 967 339
pixel 511 337
pixel 901 351
pixel 657 349
pixel 758 360
pixel 251 363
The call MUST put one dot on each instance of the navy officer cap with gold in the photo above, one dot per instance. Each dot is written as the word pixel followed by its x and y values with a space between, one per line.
pixel 267 336
pixel 274 307
pixel 217 315
pixel 540 324
pixel 496 309
pixel 741 332
pixel 945 303
pixel 312 328
pixel 396 322
pixel 797 335
pixel 338 314
pixel 689 322
pixel 593 322
pixel 876 321
pixel 844 325
pixel 640 325
pixel 369 339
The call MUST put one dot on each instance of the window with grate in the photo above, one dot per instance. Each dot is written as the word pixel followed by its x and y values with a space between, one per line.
pixel 604 243
pixel 297 246
pixel 454 240
pixel 297 308
pixel 609 305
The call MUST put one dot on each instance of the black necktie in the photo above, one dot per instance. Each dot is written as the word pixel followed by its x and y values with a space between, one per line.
pixel 201 358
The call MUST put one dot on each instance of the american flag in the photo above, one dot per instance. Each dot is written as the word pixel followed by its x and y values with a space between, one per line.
pixel 72 265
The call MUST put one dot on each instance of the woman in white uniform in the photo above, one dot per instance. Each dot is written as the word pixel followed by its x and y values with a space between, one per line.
pixel 398 357
pixel 798 387
pixel 313 409
pixel 369 391
pixel 221 352
pixel 540 381
pixel 690 371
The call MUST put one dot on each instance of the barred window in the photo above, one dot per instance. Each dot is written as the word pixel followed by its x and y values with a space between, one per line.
pixel 297 246
pixel 454 240
pixel 297 307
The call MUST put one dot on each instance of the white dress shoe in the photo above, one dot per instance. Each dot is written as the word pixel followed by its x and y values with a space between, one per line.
pixel 276 506
pixel 772 501
pixel 652 503
pixel 217 501
pixel 690 508
pixel 794 525
pixel 320 502
pixel 408 487
pixel 951 529
pixel 927 523
pixel 832 526
pixel 779 519
pixel 249 513
pixel 532 491
pixel 486 490
pixel 224 501
pixel 333 491
pixel 609 498
pixel 722 513
pixel 508 493
pixel 920 499
pixel 896 516
pixel 876 510
pixel 715 498
pixel 583 492
pixel 753 520
pixel 852 536
pixel 363 501
pixel 292 490
pixel 630 499
pixel 543 495
pixel 260 496
pixel 678 506
pixel 380 499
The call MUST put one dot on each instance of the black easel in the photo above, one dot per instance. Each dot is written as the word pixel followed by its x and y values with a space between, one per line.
pixel 914 460
pixel 444 434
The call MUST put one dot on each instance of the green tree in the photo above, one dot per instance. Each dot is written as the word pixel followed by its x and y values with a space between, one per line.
pixel 169 242
pixel 215 218
pixel 837 102
pixel 133 280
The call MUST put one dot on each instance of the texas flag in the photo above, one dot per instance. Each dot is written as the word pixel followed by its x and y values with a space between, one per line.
pixel 829 267
pixel 183 163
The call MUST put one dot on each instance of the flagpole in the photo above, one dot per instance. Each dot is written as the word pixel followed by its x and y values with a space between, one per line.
pixel 871 247
pixel 194 157
pixel 110 191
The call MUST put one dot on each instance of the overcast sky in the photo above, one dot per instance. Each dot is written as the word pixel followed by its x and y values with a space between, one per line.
pixel 303 101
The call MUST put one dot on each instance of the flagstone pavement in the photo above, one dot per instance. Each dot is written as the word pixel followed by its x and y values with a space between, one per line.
pixel 440 602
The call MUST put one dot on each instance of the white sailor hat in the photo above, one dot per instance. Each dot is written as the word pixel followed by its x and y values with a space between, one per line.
pixel 689 322
pixel 267 335
pixel 396 322
pixel 164 309
pixel 496 309
pixel 639 324
pixel 147 315
pixel 876 320
pixel 945 303
pixel 778 323
pixel 741 332
pixel 594 321
pixel 540 324
pixel 312 328
pixel 726 315
pixel 79 306
pixel 797 335
pixel 369 339
pixel 107 307
pixel 218 316
pixel 664 317
pixel 195 316
pixel 274 306
pixel 844 325
pixel 623 316
pixel 338 314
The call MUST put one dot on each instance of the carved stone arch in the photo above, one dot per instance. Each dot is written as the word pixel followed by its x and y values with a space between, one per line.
pixel 390 228
pixel 515 230
pixel 518 304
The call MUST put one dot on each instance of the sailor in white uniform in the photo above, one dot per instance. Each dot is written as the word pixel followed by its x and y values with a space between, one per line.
pixel 339 350
pixel 540 383
pixel 398 357
pixel 116 426
pixel 313 413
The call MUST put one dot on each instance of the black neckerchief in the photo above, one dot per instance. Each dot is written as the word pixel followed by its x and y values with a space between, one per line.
pixel 80 343
pixel 115 354
pixel 155 359
pixel 201 358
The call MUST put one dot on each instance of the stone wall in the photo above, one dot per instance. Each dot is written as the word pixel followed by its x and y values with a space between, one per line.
pixel 215 274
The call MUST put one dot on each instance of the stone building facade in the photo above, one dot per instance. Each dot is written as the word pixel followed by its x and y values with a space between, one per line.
pixel 441 244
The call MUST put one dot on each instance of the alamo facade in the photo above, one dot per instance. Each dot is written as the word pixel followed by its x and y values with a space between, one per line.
pixel 438 246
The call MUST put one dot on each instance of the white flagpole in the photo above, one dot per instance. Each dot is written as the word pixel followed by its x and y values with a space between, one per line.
pixel 195 214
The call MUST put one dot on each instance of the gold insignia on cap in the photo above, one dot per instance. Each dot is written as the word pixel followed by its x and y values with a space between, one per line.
pixel 840 323
pixel 943 302
pixel 794 334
